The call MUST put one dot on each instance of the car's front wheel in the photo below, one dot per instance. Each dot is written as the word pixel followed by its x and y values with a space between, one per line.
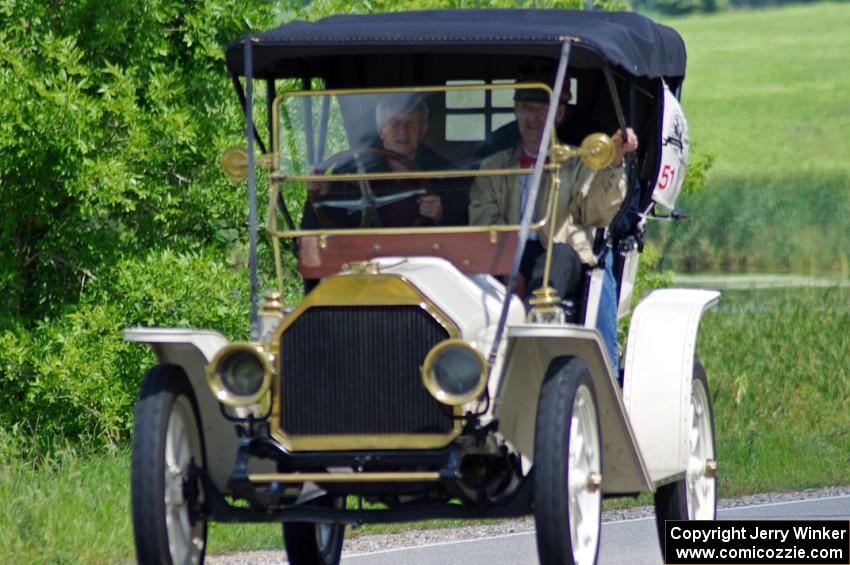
pixel 168 458
pixel 567 467
pixel 314 544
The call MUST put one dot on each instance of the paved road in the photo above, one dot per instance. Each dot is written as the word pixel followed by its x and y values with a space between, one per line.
pixel 630 542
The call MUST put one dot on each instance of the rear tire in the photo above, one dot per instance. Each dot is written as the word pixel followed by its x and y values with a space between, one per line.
pixel 567 467
pixel 314 544
pixel 168 457
pixel 695 496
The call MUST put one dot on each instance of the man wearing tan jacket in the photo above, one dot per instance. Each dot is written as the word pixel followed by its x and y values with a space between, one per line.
pixel 587 199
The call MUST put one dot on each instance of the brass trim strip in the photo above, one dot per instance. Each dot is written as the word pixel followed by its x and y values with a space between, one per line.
pixel 437 88
pixel 402 230
pixel 348 443
pixel 395 477
pixel 272 229
pixel 554 190
pixel 462 173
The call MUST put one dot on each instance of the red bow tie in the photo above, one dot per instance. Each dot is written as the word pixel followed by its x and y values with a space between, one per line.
pixel 527 161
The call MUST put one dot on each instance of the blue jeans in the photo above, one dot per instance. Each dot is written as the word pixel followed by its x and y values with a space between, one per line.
pixel 606 318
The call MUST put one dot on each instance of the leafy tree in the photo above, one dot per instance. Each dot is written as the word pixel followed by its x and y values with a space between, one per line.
pixel 321 8
pixel 115 114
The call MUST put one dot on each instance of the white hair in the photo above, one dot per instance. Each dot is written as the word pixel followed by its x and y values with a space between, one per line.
pixel 400 103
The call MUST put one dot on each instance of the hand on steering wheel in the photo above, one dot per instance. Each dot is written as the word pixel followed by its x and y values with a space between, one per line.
pixel 382 203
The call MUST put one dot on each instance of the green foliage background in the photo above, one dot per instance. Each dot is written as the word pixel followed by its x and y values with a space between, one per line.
pixel 765 95
pixel 113 209
pixel 681 7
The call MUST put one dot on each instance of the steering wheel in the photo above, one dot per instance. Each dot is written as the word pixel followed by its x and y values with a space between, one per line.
pixel 375 203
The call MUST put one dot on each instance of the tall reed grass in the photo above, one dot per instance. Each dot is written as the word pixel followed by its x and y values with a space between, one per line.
pixel 63 505
pixel 762 223
pixel 778 362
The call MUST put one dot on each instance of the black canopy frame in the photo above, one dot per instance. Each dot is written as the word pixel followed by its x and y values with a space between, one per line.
pixel 625 40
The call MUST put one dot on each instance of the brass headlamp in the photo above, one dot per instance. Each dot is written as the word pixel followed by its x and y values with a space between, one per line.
pixel 239 374
pixel 454 372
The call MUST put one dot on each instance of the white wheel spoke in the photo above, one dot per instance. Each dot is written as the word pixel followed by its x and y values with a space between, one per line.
pixel 181 446
pixel 584 503
pixel 699 485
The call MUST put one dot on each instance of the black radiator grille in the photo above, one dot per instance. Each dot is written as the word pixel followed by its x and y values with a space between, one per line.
pixel 356 371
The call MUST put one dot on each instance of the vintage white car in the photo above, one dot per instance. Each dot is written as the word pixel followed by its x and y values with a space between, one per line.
pixel 425 374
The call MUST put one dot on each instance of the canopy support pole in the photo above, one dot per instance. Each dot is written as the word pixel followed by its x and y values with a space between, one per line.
pixel 271 94
pixel 237 86
pixel 250 133
pixel 632 183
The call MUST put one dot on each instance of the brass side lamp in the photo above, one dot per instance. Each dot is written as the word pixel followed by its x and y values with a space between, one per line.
pixel 234 162
pixel 596 150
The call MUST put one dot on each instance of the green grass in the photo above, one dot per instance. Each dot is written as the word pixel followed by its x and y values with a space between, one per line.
pixel 778 362
pixel 766 90
pixel 766 95
pixel 789 223
pixel 66 508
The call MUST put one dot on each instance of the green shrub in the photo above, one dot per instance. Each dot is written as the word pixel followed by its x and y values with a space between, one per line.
pixel 73 376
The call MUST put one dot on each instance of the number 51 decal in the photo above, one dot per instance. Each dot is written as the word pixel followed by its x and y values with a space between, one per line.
pixel 666 177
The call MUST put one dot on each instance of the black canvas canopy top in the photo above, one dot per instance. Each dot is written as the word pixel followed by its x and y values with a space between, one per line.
pixel 625 40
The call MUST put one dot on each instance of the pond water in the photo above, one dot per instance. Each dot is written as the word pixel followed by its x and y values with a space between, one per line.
pixel 756 281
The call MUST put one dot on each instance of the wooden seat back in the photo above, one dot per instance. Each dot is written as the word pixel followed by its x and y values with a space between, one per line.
pixel 471 252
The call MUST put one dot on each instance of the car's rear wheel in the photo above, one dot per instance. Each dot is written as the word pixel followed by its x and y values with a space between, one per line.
pixel 168 459
pixel 314 544
pixel 695 496
pixel 567 467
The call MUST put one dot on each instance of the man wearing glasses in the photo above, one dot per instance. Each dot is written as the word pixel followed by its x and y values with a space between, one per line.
pixel 587 199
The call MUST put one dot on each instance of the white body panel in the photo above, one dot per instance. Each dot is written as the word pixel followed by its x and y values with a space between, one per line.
pixel 192 350
pixel 473 303
pixel 627 283
pixel 658 374
pixel 594 295
pixel 531 348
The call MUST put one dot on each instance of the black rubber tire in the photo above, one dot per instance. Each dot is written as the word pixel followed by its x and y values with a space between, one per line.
pixel 303 546
pixel 164 391
pixel 551 460
pixel 671 501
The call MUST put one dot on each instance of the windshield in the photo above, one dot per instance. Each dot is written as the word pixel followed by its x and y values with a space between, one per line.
pixel 400 158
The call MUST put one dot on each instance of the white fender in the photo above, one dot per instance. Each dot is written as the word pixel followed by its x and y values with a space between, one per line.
pixel 169 343
pixel 193 350
pixel 531 348
pixel 658 374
